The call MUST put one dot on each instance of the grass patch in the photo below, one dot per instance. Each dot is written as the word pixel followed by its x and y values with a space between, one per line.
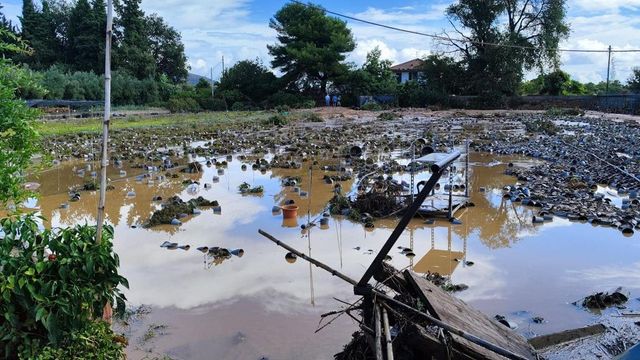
pixel 209 119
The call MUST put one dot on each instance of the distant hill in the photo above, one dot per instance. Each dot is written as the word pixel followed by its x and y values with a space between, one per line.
pixel 193 79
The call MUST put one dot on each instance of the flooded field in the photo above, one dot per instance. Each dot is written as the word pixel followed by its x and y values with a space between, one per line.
pixel 257 304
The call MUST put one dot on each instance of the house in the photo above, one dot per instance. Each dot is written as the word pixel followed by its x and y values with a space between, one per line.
pixel 407 71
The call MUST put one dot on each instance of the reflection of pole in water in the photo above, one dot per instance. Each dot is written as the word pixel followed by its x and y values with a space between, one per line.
pixel 411 246
pixel 313 301
pixel 339 239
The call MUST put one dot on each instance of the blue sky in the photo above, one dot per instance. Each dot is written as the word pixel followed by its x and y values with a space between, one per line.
pixel 238 29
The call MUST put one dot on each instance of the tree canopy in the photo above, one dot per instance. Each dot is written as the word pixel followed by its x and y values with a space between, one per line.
pixel 311 46
pixel 499 39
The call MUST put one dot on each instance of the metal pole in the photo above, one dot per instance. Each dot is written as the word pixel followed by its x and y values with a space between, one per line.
pixel 212 82
pixel 222 64
pixel 413 170
pixel 105 123
pixel 387 333
pixel 466 173
pixel 608 69
pixel 376 320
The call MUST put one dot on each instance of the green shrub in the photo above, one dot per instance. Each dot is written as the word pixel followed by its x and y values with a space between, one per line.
pixel 387 116
pixel 282 108
pixel 554 111
pixel 240 106
pixel 313 117
pixel 211 104
pixel 52 283
pixel 371 106
pixel 182 104
pixel 96 341
pixel 277 120
pixel 307 104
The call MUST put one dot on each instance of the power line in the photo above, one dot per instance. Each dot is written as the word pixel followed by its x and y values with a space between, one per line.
pixel 447 38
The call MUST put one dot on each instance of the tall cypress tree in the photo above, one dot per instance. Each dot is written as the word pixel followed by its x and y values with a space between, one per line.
pixel 99 16
pixel 85 40
pixel 133 53
pixel 39 29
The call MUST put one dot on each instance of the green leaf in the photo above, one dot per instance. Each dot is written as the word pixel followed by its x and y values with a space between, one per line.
pixel 30 272
pixel 41 314
pixel 41 266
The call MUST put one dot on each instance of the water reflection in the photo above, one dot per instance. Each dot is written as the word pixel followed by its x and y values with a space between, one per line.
pixel 516 265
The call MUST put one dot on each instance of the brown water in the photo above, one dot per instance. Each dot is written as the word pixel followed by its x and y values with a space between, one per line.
pixel 260 305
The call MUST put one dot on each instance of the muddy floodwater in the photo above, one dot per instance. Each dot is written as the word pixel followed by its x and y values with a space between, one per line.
pixel 260 305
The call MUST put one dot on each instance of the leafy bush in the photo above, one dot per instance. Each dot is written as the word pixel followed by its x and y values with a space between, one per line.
pixel 241 106
pixel 182 104
pixel 307 104
pixel 554 111
pixel 371 106
pixel 211 104
pixel 18 139
pixel 277 120
pixel 52 282
pixel 386 116
pixel 282 108
pixel 96 341
pixel 313 117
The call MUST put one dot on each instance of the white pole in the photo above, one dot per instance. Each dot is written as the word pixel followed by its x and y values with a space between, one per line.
pixel 105 123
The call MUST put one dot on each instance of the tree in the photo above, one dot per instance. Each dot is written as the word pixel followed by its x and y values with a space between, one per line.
pixel 86 37
pixel 133 50
pixel 7 24
pixel 41 29
pixel 378 72
pixel 634 81
pixel 251 79
pixel 311 46
pixel 500 39
pixel 167 49
pixel 554 82
pixel 18 139
pixel 444 75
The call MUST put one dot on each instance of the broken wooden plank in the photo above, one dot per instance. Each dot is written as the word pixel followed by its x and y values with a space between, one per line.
pixel 562 337
pixel 456 312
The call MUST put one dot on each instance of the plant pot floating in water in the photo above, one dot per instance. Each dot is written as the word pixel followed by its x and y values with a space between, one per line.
pixel 237 252
pixel 290 257
pixel 290 211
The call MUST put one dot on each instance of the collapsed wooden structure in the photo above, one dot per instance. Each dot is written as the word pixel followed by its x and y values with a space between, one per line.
pixel 441 325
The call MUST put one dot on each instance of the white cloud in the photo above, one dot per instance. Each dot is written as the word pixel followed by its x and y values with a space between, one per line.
pixel 604 5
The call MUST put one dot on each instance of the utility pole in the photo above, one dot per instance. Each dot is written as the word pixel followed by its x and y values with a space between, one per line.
pixel 608 70
pixel 222 64
pixel 211 81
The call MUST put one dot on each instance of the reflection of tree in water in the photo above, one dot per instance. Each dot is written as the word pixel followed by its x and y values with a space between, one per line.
pixel 137 209
pixel 497 226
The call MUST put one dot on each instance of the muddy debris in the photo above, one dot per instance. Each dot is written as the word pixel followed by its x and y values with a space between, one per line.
pixel 602 300
pixel 174 207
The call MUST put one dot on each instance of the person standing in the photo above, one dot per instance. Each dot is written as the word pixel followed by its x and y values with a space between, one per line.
pixel 327 100
pixel 335 100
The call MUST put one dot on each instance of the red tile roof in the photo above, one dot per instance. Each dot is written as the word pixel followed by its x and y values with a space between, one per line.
pixel 410 65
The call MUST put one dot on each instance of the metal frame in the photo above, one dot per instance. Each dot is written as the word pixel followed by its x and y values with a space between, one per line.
pixel 363 287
